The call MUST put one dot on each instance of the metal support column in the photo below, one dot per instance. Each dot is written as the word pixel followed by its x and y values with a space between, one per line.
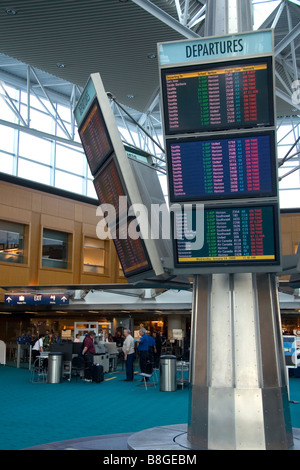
pixel 238 395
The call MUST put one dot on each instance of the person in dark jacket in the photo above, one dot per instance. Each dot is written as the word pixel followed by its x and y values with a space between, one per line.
pixel 88 352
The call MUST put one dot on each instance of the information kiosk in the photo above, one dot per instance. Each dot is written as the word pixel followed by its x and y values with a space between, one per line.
pixel 218 108
pixel 218 112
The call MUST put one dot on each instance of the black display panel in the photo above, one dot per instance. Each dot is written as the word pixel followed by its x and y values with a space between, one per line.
pixel 110 188
pixel 131 252
pixel 203 169
pixel 233 236
pixel 230 95
pixel 95 138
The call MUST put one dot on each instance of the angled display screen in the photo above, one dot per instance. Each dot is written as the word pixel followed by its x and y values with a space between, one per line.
pixel 242 166
pixel 229 95
pixel 232 236
pixel 131 252
pixel 110 188
pixel 95 138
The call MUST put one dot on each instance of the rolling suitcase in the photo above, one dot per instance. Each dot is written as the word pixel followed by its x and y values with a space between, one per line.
pixel 97 373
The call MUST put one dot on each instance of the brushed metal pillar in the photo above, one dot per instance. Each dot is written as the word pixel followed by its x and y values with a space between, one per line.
pixel 238 395
pixel 228 17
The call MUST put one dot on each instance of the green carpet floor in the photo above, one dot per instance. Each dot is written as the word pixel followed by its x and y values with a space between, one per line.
pixel 38 413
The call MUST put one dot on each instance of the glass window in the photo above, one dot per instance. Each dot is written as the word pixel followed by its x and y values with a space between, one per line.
pixel 34 148
pixel 91 192
pixel 64 113
pixel 33 171
pixel 69 159
pixel 289 198
pixel 6 163
pixel 11 242
pixel 40 120
pixel 94 255
pixel 289 181
pixel 68 182
pixel 55 249
pixel 7 138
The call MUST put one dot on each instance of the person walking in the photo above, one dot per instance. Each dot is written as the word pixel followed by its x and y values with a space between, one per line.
pixel 143 350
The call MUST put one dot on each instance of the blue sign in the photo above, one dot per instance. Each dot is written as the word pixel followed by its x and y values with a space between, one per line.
pixel 36 299
pixel 212 48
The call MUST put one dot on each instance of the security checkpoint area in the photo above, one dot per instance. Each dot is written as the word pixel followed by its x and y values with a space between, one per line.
pixel 169 282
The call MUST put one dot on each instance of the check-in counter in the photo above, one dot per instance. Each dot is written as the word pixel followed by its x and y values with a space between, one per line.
pixel 103 360
pixel 112 354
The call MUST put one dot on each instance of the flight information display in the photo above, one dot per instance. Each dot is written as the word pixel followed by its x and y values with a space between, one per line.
pixel 110 188
pixel 131 252
pixel 233 95
pixel 95 138
pixel 235 167
pixel 231 236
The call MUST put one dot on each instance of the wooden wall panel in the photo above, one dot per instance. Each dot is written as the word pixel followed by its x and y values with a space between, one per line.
pixel 38 209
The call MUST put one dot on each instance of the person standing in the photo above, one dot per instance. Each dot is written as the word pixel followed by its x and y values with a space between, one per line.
pixel 143 350
pixel 151 348
pixel 88 355
pixel 128 349
pixel 38 347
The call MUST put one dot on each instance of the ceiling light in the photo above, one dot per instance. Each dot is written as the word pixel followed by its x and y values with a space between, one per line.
pixel 11 11
pixel 60 65
pixel 130 96
pixel 152 56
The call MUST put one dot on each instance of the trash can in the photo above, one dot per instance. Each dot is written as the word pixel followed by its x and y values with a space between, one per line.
pixel 55 367
pixel 168 380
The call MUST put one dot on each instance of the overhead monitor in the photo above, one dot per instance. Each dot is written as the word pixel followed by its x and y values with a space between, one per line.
pixel 224 95
pixel 221 167
pixel 114 179
pixel 234 239
pixel 132 253
pixel 110 187
pixel 95 137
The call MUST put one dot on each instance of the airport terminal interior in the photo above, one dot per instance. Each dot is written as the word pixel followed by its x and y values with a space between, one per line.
pixel 59 276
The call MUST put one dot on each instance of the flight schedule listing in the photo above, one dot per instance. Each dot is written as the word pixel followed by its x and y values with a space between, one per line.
pixel 231 235
pixel 131 252
pixel 224 97
pixel 211 169
pixel 109 187
pixel 95 138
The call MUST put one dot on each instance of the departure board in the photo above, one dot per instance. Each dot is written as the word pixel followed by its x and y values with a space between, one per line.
pixel 232 236
pixel 95 138
pixel 109 187
pixel 243 165
pixel 132 253
pixel 233 95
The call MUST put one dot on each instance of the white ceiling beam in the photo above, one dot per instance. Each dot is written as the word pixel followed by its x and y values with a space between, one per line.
pixel 166 18
pixel 286 41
